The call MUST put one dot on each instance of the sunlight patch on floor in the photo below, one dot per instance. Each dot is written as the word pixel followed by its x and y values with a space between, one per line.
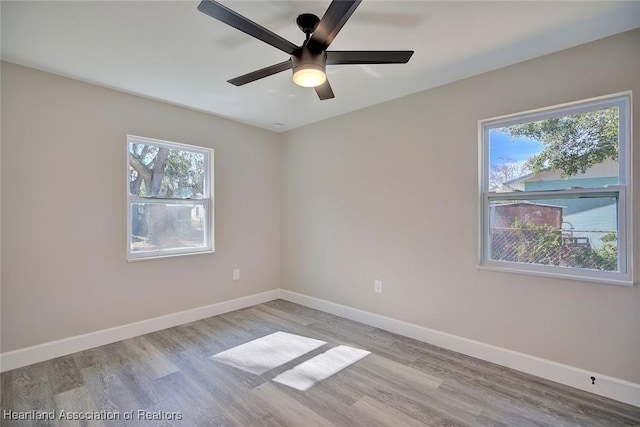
pixel 263 354
pixel 321 367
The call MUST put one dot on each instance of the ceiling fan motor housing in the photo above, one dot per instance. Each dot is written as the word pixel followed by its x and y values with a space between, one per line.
pixel 303 60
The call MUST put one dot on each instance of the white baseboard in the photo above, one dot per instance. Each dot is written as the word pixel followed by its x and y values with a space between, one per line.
pixel 611 387
pixel 50 350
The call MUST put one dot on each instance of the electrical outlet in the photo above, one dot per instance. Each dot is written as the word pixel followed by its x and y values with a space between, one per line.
pixel 236 274
pixel 377 286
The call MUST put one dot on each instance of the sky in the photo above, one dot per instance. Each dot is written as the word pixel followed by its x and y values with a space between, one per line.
pixel 502 147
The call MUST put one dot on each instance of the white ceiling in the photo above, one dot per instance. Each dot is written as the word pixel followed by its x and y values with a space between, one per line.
pixel 170 51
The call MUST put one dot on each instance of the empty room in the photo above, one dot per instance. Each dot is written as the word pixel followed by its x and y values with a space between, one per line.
pixel 320 213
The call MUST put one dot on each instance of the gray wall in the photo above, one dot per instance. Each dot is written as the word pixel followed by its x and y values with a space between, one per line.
pixel 390 192
pixel 64 210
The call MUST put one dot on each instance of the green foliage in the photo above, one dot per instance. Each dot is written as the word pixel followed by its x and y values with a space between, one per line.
pixel 181 176
pixel 601 258
pixel 609 237
pixel 572 143
pixel 529 243
pixel 538 244
pixel 184 175
pixel 606 258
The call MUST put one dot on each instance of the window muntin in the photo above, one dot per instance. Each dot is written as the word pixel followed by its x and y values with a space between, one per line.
pixel 554 191
pixel 169 198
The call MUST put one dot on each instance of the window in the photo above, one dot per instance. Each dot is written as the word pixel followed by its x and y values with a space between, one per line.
pixel 554 187
pixel 169 199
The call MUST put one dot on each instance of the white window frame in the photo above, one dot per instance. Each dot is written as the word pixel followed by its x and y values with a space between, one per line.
pixel 206 202
pixel 623 191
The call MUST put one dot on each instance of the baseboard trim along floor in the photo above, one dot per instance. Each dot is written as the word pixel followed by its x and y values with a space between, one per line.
pixel 607 386
pixel 50 350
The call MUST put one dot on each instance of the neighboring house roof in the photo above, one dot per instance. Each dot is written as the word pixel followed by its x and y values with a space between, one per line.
pixel 522 178
pixel 602 170
pixel 528 204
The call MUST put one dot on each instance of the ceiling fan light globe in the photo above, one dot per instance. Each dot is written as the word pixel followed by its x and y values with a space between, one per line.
pixel 309 75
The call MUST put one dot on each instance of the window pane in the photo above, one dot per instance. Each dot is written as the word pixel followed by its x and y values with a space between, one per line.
pixel 159 226
pixel 568 232
pixel 157 171
pixel 570 151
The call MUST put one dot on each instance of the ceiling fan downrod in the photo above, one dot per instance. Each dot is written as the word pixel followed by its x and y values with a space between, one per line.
pixel 307 22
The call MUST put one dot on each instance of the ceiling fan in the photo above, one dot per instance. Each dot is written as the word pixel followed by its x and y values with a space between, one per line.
pixel 308 61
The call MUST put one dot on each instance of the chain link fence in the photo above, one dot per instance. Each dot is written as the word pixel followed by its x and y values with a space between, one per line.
pixel 547 245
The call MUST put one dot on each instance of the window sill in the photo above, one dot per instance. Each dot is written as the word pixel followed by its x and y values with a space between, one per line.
pixel 168 255
pixel 558 275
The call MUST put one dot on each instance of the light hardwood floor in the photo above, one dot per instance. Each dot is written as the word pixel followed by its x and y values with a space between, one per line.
pixel 402 382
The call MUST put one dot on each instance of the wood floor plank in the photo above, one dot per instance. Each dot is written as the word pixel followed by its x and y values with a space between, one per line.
pixel 109 393
pixel 402 381
pixel 138 382
pixel 30 388
pixel 425 404
pixel 228 385
pixel 73 403
pixel 194 404
pixel 370 339
pixel 284 315
pixel 378 414
pixel 289 411
pixel 390 369
pixel 147 357
pixel 63 374
pixel 7 397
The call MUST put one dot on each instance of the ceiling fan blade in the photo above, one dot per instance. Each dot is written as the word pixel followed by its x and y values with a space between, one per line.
pixel 260 74
pixel 334 18
pixel 337 57
pixel 324 91
pixel 229 17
